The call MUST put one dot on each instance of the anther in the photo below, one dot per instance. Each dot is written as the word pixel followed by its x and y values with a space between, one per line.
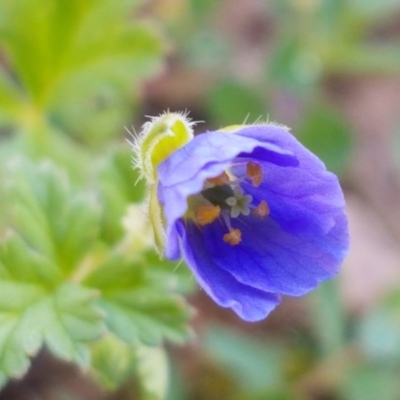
pixel 219 180
pixel 234 237
pixel 254 172
pixel 206 214
pixel 262 210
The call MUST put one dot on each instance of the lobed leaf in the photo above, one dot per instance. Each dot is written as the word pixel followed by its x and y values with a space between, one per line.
pixel 76 64
pixel 113 361
pixel 49 215
pixel 137 307
pixel 65 319
pixel 64 285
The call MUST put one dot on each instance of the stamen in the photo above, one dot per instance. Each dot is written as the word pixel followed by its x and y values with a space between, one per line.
pixel 206 214
pixel 234 237
pixel 262 210
pixel 255 173
pixel 219 180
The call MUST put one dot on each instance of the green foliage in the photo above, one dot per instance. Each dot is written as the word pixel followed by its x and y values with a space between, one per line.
pixel 63 286
pixel 194 33
pixel 372 352
pixel 379 331
pixel 77 273
pixel 370 382
pixel 34 312
pixel 329 37
pixel 232 103
pixel 137 306
pixel 292 67
pixel 256 368
pixel 75 64
pixel 48 214
pixel 153 372
pixel 113 361
pixel 329 319
pixel 327 134
pixel 119 185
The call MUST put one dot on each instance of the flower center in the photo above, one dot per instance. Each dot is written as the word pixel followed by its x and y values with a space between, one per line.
pixel 223 196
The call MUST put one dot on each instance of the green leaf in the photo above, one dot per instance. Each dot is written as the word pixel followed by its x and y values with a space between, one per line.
pixel 329 318
pixel 78 63
pixel 327 134
pixel 25 37
pixel 64 319
pixel 177 388
pixel 379 331
pixel 62 285
pixel 50 216
pixel 370 382
pixel 32 266
pixel 119 186
pixel 19 334
pixel 294 63
pixel 104 71
pixel 255 366
pixel 74 320
pixel 153 372
pixel 178 277
pixel 137 306
pixel 113 361
pixel 52 33
pixel 35 196
pixel 231 102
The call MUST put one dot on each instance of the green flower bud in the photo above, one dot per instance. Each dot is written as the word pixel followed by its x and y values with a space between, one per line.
pixel 159 138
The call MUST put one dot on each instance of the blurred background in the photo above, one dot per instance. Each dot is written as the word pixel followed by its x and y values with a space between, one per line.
pixel 75 73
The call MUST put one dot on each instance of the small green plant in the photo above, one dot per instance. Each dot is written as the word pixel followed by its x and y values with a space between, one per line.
pixel 77 271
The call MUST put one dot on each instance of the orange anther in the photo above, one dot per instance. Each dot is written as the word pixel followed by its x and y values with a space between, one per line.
pixel 219 180
pixel 206 214
pixel 262 210
pixel 234 237
pixel 255 173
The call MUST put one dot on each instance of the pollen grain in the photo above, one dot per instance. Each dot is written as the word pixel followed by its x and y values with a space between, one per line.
pixel 255 173
pixel 206 214
pixel 262 210
pixel 234 237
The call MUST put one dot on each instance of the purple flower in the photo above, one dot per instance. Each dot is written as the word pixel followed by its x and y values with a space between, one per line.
pixel 255 215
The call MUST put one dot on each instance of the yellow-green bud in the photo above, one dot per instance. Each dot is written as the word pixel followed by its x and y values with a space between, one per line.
pixel 158 139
